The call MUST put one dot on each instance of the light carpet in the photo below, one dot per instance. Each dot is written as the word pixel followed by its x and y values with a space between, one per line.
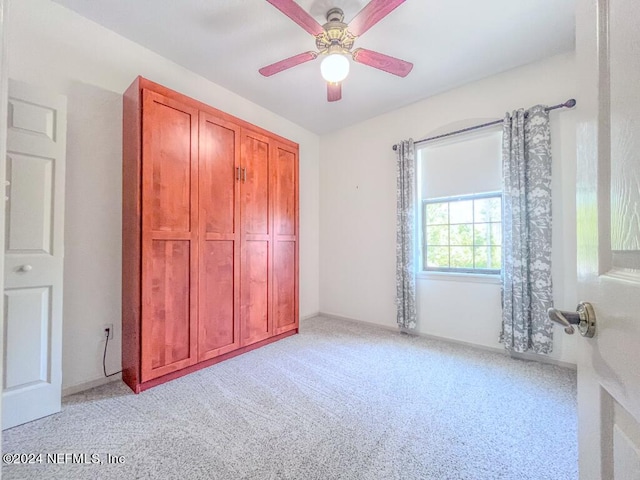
pixel 341 400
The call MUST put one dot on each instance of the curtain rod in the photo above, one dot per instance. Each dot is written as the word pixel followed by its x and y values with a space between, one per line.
pixel 568 104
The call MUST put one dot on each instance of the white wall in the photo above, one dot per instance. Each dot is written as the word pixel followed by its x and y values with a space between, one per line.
pixel 357 208
pixel 62 51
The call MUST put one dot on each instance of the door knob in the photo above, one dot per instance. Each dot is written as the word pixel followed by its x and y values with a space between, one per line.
pixel 25 268
pixel 584 318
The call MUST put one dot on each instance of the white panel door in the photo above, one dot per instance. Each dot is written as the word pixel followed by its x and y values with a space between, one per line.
pixel 608 201
pixel 34 229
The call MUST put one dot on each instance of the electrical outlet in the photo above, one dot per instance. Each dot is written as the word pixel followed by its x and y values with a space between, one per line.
pixel 104 328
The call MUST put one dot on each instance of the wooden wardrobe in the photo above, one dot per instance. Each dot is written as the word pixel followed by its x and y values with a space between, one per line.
pixel 210 236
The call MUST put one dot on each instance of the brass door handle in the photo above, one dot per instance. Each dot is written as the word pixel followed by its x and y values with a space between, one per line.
pixel 584 318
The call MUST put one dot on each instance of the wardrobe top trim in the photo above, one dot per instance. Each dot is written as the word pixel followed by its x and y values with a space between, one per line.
pixel 144 83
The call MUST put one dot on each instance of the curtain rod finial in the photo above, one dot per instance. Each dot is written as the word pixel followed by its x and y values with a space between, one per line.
pixel 395 147
pixel 570 103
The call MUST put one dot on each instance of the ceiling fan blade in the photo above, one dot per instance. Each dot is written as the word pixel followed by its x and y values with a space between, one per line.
pixel 334 91
pixel 296 13
pixel 287 63
pixel 372 13
pixel 382 62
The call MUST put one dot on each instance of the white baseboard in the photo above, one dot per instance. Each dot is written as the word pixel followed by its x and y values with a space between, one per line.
pixel 349 319
pixel 534 357
pixel 307 317
pixel 518 356
pixel 81 387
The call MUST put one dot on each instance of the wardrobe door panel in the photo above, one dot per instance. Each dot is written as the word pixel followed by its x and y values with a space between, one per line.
pixel 255 185
pixel 168 332
pixel 218 332
pixel 219 178
pixel 255 209
pixel 284 286
pixel 218 155
pixel 285 197
pixel 284 185
pixel 255 292
pixel 169 235
pixel 170 156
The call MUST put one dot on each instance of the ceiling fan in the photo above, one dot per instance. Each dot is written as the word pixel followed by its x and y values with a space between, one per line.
pixel 335 40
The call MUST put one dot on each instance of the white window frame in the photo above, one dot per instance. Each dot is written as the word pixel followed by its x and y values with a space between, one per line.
pixel 453 271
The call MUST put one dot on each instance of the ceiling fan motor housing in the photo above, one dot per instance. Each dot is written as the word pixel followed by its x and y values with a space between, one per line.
pixel 335 38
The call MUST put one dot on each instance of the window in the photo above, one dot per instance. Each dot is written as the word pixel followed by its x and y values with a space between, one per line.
pixel 463 234
pixel 459 227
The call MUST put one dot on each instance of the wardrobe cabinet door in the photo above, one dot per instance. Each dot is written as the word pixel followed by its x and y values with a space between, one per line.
pixel 169 235
pixel 284 188
pixel 219 286
pixel 255 253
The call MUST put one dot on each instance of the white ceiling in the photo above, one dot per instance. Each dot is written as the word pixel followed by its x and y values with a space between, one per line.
pixel 450 43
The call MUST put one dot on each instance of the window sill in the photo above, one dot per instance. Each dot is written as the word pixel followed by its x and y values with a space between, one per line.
pixel 459 277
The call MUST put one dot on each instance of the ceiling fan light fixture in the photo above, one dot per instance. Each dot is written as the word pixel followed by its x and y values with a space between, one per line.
pixel 334 67
pixel 334 43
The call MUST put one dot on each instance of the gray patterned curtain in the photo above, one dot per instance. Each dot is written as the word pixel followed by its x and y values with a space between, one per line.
pixel 405 236
pixel 526 257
